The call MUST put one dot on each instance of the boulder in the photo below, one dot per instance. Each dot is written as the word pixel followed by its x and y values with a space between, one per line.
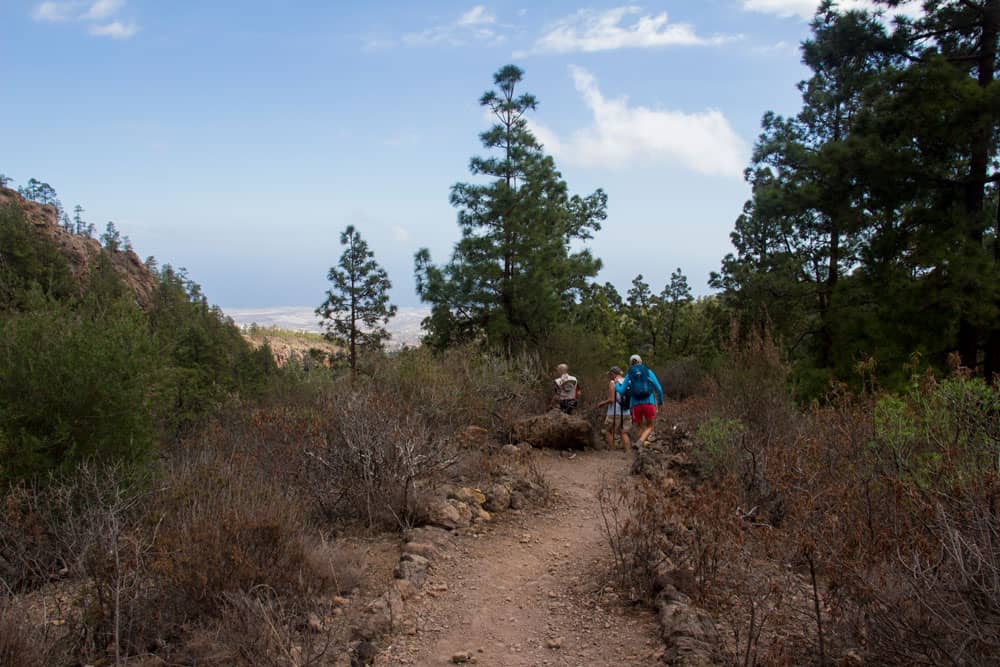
pixel 445 513
pixel 555 430
pixel 497 498
pixel 468 495
pixel 428 551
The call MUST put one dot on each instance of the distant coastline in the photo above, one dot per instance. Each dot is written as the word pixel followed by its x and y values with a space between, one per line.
pixel 404 327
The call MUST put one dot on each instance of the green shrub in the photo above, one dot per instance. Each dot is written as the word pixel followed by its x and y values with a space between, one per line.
pixel 74 386
pixel 718 445
pixel 28 260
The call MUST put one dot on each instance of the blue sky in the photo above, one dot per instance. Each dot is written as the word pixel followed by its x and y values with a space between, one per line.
pixel 238 138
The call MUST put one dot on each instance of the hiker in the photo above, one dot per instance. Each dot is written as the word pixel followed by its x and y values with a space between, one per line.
pixel 616 412
pixel 645 394
pixel 567 391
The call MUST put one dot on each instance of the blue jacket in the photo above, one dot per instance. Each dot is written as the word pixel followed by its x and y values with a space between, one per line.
pixel 656 398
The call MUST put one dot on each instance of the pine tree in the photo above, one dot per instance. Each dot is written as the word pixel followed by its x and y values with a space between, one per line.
pixel 357 306
pixel 675 297
pixel 644 310
pixel 513 275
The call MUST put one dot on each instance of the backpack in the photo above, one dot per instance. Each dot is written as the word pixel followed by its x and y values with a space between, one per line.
pixel 641 387
pixel 624 400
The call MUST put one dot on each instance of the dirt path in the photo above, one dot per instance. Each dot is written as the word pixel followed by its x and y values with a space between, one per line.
pixel 531 589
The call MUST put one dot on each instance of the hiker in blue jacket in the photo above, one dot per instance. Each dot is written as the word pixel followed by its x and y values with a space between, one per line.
pixel 645 394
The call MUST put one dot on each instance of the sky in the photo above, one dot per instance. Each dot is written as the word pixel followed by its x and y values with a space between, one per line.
pixel 238 138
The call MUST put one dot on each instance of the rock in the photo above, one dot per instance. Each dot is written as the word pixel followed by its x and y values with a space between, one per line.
pixel 461 657
pixel 464 513
pixel 510 450
pixel 439 537
pixel 364 653
pixel 405 588
pixel 381 616
pixel 83 253
pixel 445 514
pixel 469 496
pixel 497 498
pixel 555 430
pixel 518 501
pixel 555 643
pixel 412 568
pixel 689 633
pixel 483 515
pixel 428 551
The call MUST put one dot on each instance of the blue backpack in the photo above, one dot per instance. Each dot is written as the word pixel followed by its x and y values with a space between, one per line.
pixel 640 386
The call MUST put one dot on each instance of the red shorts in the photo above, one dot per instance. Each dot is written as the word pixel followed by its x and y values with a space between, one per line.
pixel 643 412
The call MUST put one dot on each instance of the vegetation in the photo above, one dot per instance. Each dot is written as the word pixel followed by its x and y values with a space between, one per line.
pixel 873 220
pixel 513 277
pixel 838 447
pixel 357 306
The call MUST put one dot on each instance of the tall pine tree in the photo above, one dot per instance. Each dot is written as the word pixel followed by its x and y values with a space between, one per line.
pixel 357 306
pixel 513 276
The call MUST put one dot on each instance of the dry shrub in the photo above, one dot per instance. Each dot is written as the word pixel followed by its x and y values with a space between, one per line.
pixel 465 386
pixel 682 378
pixel 636 521
pixel 255 629
pixel 371 466
pixel 879 512
pixel 21 645
pixel 225 526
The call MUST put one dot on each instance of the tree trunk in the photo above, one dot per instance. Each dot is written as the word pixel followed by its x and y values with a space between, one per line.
pixel 975 189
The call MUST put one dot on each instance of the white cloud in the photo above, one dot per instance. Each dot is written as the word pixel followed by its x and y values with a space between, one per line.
pixel 98 15
pixel 114 30
pixel 103 9
pixel 623 135
pixel 806 9
pixel 399 234
pixel 55 11
pixel 590 31
pixel 478 15
pixel 478 24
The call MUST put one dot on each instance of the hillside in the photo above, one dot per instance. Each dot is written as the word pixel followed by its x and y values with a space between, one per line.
pixel 81 252
pixel 288 345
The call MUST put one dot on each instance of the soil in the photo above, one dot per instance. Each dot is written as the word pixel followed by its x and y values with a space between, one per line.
pixel 532 587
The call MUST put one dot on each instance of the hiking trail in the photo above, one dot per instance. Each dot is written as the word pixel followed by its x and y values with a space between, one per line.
pixel 533 587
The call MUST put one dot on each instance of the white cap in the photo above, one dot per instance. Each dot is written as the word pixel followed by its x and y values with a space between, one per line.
pixel 634 359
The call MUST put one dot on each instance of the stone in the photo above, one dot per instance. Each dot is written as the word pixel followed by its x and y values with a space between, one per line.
pixel 464 513
pixel 446 515
pixel 405 588
pixel 518 501
pixel 510 450
pixel 555 430
pixel 483 515
pixel 555 643
pixel 381 616
pixel 439 537
pixel 461 657
pixel 428 551
pixel 497 498
pixel 412 568
pixel 469 495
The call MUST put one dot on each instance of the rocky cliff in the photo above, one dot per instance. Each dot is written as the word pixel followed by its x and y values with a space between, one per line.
pixel 81 252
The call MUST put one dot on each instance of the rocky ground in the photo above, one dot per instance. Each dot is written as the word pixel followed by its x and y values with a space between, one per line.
pixel 530 587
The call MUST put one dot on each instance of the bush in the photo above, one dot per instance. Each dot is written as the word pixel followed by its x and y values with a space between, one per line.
pixel 74 386
pixel 718 450
pixel 20 644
